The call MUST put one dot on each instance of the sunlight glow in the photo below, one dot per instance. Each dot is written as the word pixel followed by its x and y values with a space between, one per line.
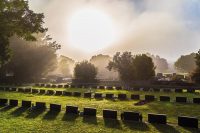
pixel 91 30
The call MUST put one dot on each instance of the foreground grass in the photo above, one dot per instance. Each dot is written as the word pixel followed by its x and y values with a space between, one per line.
pixel 19 120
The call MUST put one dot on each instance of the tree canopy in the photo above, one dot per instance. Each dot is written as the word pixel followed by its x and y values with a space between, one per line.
pixel 186 63
pixel 85 72
pixel 196 74
pixel 31 60
pixel 22 22
pixel 130 68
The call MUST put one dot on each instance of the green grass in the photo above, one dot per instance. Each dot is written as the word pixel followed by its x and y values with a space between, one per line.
pixel 18 120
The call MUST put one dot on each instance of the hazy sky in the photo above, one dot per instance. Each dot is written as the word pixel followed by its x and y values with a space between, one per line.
pixel 168 28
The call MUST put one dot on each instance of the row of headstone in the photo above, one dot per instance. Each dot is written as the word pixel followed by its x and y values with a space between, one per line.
pixel 183 121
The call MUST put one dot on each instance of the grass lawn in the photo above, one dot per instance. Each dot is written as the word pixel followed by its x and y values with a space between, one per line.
pixel 19 120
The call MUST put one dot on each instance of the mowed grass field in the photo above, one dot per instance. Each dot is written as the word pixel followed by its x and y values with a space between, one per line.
pixel 18 120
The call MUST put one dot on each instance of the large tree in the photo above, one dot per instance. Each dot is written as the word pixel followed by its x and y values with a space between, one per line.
pixel 85 72
pixel 31 60
pixel 130 68
pixel 186 63
pixel 196 74
pixel 17 19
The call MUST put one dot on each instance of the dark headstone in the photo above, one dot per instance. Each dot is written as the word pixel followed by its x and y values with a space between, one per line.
pixel 146 89
pixel 42 91
pixel 109 87
pixel 13 102
pixel 55 107
pixel 27 90
pixel 196 100
pixel 77 94
pixel 60 86
pixel 35 90
pixel 181 99
pixel 118 88
pixel 48 86
pixel 20 89
pixel 131 116
pixel 90 111
pixel 191 90
pixel 86 86
pixel 58 93
pixel 54 86
pixel 136 89
pixel 42 85
pixel 79 86
pixel 66 86
pixel 186 121
pixel 1 88
pixel 111 114
pixel 167 90
pixel 122 96
pixel 66 93
pixel 101 87
pixel 98 95
pixel 135 97
pixel 72 86
pixel 7 89
pixel 72 109
pixel 3 102
pixel 156 90
pixel 179 90
pixel 149 98
pixel 37 85
pixel 165 98
pixel 94 87
pixel 13 89
pixel 40 105
pixel 50 92
pixel 87 94
pixel 26 104
pixel 157 118
pixel 109 96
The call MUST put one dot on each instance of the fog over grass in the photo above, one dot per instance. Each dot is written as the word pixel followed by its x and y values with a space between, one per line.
pixel 163 27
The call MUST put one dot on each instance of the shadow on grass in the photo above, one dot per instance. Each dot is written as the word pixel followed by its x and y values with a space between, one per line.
pixel 165 128
pixel 90 120
pixel 192 130
pixel 111 123
pixel 137 126
pixel 6 108
pixel 35 113
pixel 51 115
pixel 69 117
pixel 19 111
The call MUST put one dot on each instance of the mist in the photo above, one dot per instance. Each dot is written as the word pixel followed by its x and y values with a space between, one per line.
pixel 165 28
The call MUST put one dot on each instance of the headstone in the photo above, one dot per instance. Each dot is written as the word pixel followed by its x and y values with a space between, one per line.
pixel 109 87
pixel 27 90
pixel 20 89
pixel 156 89
pixel 42 91
pixel 37 85
pixel 131 116
pixel 196 100
pixel 135 97
pixel 72 109
pixel 87 94
pixel 165 98
pixel 109 96
pixel 101 87
pixel 157 118
pixel 66 86
pixel 58 93
pixel 35 90
pixel 86 86
pixel 42 85
pixel 77 94
pixel 1 88
pixel 7 88
pixel 50 92
pixel 13 102
pixel 122 96
pixel 3 102
pixel 79 86
pixel 98 95
pixel 53 86
pixel 179 90
pixel 181 99
pixel 55 107
pixel 13 89
pixel 186 121
pixel 191 90
pixel 94 87
pixel 72 86
pixel 89 112
pixel 118 88
pixel 111 114
pixel 136 89
pixel 146 89
pixel 40 105
pixel 66 93
pixel 167 90
pixel 149 98
pixel 26 104
pixel 48 86
pixel 60 86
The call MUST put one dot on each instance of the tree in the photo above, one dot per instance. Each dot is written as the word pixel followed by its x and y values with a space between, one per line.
pixel 31 60
pixel 196 74
pixel 101 61
pixel 85 72
pixel 130 68
pixel 186 63
pixel 17 19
